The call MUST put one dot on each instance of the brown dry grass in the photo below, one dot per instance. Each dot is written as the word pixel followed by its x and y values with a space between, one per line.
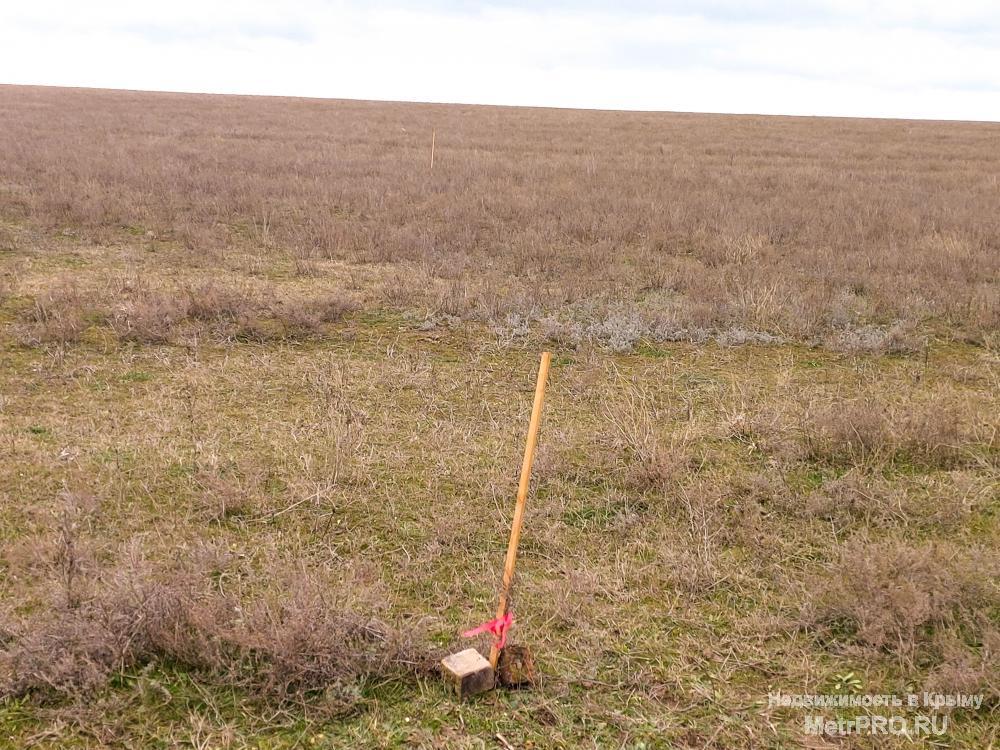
pixel 231 500
pixel 264 380
pixel 313 633
pixel 887 593
pixel 867 431
pixel 621 226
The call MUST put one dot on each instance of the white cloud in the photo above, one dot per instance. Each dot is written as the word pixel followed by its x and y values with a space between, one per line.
pixel 903 59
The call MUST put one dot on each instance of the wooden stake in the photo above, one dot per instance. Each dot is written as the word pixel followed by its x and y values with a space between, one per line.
pixel 433 135
pixel 522 493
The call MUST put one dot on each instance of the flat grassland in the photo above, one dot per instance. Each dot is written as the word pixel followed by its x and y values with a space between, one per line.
pixel 265 376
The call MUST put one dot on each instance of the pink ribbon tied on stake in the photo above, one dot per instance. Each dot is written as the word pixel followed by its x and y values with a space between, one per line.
pixel 497 628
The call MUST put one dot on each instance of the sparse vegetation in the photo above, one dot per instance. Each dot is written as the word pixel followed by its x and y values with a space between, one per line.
pixel 264 379
pixel 309 637
pixel 888 593
pixel 861 235
pixel 869 432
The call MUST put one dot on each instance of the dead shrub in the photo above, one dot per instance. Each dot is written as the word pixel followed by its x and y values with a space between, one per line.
pixel 306 317
pixel 332 309
pixel 65 555
pixel 890 595
pixel 661 466
pixel 151 318
pixel 903 338
pixel 766 489
pixel 232 314
pixel 851 433
pixel 868 433
pixel 967 669
pixel 134 615
pixel 938 501
pixel 66 655
pixel 59 315
pixel 933 435
pixel 305 633
pixel 855 499
pixel 308 639
pixel 210 302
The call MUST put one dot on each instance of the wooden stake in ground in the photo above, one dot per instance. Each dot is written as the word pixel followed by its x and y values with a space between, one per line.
pixel 522 493
pixel 433 136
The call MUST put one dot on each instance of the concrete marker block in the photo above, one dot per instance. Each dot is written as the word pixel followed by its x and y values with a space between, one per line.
pixel 469 672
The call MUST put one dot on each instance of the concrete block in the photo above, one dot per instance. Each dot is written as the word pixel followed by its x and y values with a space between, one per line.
pixel 469 672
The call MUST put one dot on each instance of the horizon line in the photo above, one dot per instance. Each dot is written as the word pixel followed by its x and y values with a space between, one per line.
pixel 307 97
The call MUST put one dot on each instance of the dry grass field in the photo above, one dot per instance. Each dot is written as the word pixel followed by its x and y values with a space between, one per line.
pixel 265 376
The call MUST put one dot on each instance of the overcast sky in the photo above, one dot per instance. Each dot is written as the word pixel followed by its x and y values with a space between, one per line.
pixel 898 58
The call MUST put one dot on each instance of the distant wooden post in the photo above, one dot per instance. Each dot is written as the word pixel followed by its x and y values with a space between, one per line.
pixel 433 134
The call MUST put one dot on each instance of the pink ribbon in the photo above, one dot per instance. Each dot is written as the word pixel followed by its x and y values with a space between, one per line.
pixel 497 628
